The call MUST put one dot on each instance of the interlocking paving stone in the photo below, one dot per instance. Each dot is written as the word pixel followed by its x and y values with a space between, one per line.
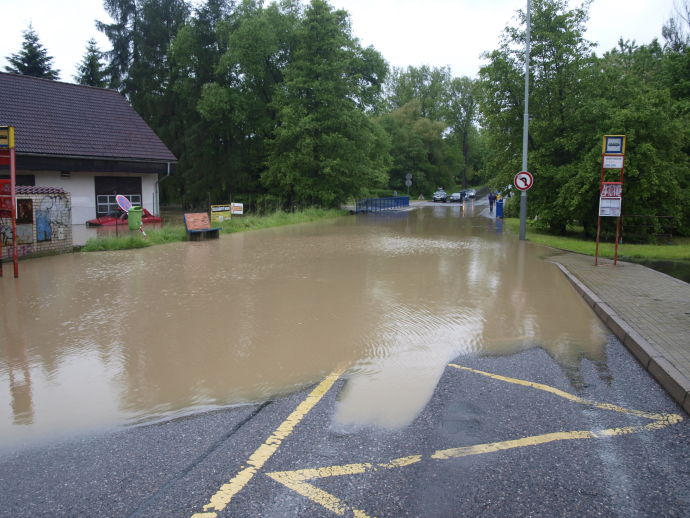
pixel 652 303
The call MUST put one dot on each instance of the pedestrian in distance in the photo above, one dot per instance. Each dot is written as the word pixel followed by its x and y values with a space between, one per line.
pixel 395 193
pixel 492 199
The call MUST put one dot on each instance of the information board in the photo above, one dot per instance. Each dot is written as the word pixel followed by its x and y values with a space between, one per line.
pixel 610 207
pixel 237 208
pixel 220 213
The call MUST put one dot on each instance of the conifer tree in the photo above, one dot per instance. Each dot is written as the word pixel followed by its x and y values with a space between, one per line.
pixel 91 70
pixel 33 59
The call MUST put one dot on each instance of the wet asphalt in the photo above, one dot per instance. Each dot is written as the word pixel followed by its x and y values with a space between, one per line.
pixel 173 468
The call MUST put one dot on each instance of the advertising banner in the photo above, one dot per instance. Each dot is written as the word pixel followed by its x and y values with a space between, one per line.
pixel 237 208
pixel 220 213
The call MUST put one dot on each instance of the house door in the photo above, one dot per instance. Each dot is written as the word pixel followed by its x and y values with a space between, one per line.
pixel 108 187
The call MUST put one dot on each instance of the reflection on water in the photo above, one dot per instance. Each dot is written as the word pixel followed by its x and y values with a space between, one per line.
pixel 99 339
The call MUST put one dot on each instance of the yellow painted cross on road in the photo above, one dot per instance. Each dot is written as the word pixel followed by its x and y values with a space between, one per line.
pixel 299 480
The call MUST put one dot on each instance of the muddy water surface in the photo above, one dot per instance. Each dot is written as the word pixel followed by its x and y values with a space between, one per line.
pixel 96 340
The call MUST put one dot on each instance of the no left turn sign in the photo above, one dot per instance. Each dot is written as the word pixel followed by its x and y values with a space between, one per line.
pixel 523 180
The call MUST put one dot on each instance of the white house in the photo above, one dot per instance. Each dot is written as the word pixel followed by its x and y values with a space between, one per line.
pixel 88 141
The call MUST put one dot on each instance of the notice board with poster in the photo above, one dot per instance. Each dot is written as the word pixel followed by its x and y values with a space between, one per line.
pixel 237 208
pixel 5 199
pixel 220 213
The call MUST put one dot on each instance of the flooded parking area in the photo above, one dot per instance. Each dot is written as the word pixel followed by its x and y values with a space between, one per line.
pixel 100 340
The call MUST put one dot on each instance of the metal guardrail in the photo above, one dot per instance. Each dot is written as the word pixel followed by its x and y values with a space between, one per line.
pixel 647 234
pixel 379 204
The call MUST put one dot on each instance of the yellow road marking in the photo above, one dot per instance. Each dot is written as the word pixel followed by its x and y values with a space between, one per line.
pixel 224 495
pixel 297 480
pixel 571 397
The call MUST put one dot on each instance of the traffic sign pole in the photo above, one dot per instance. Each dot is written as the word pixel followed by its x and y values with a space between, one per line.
pixel 525 129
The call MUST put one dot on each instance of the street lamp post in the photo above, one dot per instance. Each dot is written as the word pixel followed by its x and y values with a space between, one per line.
pixel 525 129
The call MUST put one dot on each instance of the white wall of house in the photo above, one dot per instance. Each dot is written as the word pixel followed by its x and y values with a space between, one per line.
pixel 83 190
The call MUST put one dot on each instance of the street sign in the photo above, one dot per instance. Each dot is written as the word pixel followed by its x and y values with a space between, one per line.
pixel 123 202
pixel 523 180
pixel 614 145
pixel 408 182
pixel 408 176
pixel 6 137
pixel 613 162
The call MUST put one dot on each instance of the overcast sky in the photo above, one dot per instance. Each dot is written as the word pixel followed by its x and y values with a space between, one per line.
pixel 406 32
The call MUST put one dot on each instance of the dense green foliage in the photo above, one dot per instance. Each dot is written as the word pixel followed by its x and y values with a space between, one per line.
pixel 577 97
pixel 33 59
pixel 281 101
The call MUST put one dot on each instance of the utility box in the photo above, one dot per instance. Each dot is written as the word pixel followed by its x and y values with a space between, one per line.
pixel 134 218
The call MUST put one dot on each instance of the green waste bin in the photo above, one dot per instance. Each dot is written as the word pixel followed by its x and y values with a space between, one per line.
pixel 134 218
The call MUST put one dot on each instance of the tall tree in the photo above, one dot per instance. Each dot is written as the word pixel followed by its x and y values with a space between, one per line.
pixel 461 114
pixel 121 35
pixel 427 84
pixel 91 69
pixel 417 148
pixel 324 144
pixel 33 59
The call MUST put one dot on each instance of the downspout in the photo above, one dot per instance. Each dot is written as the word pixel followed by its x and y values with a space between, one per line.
pixel 157 212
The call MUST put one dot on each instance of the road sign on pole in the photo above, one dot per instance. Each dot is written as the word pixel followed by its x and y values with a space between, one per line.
pixel 523 180
pixel 611 193
pixel 525 129
pixel 408 176
pixel 408 182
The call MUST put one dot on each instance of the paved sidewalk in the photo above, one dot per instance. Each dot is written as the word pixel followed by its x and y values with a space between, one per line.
pixel 654 305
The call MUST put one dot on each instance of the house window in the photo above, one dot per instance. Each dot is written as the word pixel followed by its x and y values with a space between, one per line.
pixel 106 203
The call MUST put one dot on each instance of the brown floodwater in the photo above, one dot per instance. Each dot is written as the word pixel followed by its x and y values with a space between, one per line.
pixel 100 340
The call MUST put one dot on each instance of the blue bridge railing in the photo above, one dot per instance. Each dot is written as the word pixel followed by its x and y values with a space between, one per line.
pixel 378 204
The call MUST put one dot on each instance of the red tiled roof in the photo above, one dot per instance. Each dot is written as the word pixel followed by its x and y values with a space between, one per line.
pixel 37 189
pixel 54 118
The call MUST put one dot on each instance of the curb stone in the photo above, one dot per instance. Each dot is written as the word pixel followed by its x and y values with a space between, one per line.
pixel 673 382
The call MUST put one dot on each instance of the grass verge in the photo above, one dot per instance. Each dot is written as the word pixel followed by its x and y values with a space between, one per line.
pixel 176 233
pixel 679 251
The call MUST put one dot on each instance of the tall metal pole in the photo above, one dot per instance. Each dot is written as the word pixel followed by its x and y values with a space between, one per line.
pixel 525 129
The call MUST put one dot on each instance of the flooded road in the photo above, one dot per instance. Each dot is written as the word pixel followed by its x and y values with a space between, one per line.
pixel 99 340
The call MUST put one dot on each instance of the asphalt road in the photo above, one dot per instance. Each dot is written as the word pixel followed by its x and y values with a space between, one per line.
pixel 483 446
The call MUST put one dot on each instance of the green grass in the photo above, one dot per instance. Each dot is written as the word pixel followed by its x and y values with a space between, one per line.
pixel 679 251
pixel 176 233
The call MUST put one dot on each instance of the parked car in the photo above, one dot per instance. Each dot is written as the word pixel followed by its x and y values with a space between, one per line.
pixel 440 196
pixel 119 217
pixel 456 196
pixel 471 193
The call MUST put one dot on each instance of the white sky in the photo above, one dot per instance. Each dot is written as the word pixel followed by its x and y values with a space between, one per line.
pixel 406 32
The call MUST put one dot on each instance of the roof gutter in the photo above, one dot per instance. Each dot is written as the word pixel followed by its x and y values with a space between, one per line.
pixel 91 157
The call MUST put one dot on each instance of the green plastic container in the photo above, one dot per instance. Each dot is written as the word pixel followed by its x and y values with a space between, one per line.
pixel 134 218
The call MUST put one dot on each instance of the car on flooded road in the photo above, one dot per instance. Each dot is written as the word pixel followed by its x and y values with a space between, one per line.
pixel 440 196
pixel 456 196
pixel 119 217
pixel 471 193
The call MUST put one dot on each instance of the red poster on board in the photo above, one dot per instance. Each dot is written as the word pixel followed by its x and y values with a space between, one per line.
pixel 5 199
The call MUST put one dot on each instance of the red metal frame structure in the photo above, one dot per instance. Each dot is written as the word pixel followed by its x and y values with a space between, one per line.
pixel 604 155
pixel 7 157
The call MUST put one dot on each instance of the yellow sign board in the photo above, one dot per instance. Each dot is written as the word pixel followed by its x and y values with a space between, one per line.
pixel 6 137
pixel 614 145
pixel 220 213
